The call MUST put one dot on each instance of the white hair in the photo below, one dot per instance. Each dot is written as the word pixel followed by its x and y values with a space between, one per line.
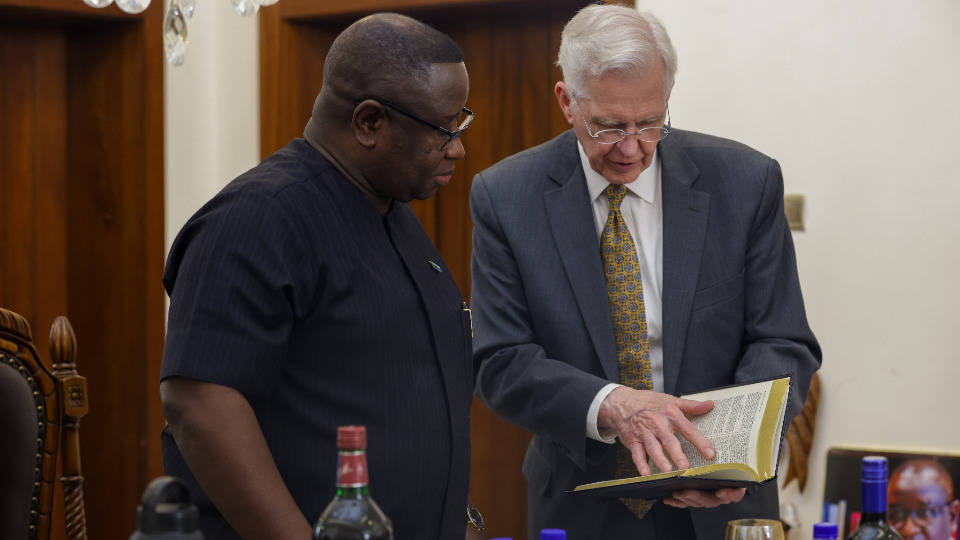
pixel 618 38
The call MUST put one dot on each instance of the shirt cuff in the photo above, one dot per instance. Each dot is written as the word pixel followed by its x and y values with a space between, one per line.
pixel 609 435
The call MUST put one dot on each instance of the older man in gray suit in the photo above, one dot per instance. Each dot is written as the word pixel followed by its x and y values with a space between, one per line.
pixel 622 264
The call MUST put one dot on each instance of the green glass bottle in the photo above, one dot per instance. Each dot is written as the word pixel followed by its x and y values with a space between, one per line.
pixel 352 514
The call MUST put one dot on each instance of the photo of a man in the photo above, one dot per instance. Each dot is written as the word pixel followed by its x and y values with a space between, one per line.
pixel 920 501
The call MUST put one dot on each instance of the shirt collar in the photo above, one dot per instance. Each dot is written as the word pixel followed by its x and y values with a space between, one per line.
pixel 645 186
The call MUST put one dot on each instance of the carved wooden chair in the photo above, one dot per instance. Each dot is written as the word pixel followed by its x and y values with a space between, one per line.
pixel 40 410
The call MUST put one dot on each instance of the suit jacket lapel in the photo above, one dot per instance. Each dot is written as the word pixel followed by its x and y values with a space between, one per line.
pixel 571 220
pixel 685 212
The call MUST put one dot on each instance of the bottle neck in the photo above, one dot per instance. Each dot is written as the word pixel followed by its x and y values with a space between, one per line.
pixel 873 500
pixel 353 492
pixel 352 477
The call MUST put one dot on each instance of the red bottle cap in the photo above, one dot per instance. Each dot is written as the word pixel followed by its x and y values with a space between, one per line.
pixel 351 437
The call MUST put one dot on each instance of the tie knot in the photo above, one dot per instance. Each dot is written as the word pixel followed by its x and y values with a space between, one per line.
pixel 615 194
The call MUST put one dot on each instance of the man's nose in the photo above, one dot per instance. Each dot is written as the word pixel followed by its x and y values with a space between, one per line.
pixel 629 145
pixel 455 149
pixel 632 145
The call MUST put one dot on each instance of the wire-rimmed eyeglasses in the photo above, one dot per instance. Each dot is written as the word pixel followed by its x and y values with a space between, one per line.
pixel 921 516
pixel 613 136
pixel 451 135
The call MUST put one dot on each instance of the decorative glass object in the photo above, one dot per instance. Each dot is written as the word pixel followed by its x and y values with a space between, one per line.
pixel 133 6
pixel 246 7
pixel 175 34
pixel 187 7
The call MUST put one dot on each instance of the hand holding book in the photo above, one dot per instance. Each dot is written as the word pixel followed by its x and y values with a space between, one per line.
pixel 701 498
pixel 744 425
pixel 645 422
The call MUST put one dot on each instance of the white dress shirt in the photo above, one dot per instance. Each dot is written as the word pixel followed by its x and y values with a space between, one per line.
pixel 642 210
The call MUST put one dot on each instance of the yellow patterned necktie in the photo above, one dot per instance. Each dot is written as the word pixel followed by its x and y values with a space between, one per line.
pixel 625 290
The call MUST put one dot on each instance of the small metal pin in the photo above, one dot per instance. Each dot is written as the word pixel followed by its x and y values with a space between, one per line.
pixel 435 266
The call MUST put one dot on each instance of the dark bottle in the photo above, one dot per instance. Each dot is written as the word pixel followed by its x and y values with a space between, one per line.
pixel 873 504
pixel 352 514
pixel 166 512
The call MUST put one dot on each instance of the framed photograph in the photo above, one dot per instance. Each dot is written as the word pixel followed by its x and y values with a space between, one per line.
pixel 922 500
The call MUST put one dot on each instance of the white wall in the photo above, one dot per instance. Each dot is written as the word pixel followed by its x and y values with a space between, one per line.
pixel 212 109
pixel 859 100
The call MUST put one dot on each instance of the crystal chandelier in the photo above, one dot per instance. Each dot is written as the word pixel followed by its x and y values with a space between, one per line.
pixel 175 22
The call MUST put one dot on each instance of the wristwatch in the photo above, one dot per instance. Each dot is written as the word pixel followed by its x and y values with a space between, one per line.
pixel 474 517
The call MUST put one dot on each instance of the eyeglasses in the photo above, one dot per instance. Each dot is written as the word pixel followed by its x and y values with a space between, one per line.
pixel 613 136
pixel 451 135
pixel 921 516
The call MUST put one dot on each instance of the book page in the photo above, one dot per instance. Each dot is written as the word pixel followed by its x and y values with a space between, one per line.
pixel 771 428
pixel 732 426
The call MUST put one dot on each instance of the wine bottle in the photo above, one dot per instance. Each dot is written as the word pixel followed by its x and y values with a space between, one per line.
pixel 352 514
pixel 825 531
pixel 873 504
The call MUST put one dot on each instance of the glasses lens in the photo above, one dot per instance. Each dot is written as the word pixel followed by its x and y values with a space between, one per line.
pixel 610 136
pixel 896 515
pixel 653 134
pixel 925 515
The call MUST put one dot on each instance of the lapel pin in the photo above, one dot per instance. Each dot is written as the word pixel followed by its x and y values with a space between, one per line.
pixel 435 266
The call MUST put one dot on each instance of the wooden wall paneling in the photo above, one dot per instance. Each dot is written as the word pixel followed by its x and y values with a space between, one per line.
pixel 305 9
pixel 31 209
pixel 81 222
pixel 15 138
pixel 151 247
pixel 115 252
pixel 291 73
pixel 510 49
pixel 50 180
pixel 32 180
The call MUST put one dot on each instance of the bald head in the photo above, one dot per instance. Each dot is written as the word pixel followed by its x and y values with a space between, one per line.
pixel 916 474
pixel 383 56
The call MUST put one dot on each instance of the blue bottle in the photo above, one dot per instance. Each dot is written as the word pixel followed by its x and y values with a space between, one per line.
pixel 825 531
pixel 873 504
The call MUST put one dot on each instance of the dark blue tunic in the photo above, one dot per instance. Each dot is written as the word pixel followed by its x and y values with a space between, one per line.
pixel 290 287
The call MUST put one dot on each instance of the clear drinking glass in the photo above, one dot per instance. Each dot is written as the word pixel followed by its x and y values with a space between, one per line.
pixel 754 529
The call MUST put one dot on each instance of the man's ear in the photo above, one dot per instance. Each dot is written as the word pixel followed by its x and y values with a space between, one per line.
pixel 369 120
pixel 563 97
pixel 954 513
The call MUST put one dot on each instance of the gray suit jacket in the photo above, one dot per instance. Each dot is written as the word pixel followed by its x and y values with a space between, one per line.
pixel 732 306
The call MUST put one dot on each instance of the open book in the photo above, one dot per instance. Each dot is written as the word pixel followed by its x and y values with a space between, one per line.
pixel 745 427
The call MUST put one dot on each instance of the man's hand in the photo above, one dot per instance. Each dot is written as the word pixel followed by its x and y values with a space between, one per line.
pixel 645 422
pixel 692 498
pixel 220 439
